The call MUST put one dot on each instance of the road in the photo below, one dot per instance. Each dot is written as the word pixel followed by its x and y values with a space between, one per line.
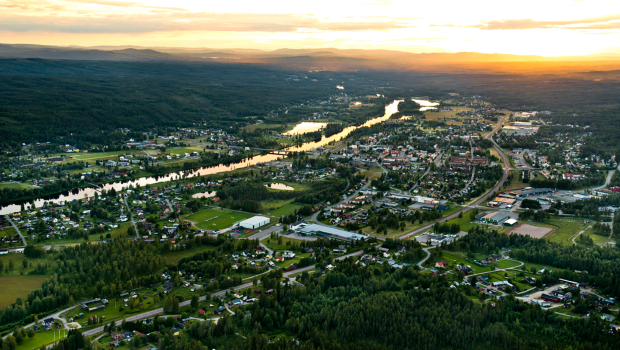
pixel 436 160
pixel 608 179
pixel 131 217
pixel 160 311
pixel 16 229
pixel 481 199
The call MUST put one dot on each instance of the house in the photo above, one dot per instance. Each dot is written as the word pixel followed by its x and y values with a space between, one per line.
pixel 201 312
pixel 114 344
pixel 220 310
pixel 551 298
pixel 48 321
pixel 441 264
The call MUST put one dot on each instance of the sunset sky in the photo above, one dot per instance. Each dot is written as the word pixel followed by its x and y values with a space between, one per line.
pixel 540 27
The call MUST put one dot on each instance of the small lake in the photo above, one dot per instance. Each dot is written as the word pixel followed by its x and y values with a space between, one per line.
pixel 279 186
pixel 305 127
pixel 426 104
pixel 204 195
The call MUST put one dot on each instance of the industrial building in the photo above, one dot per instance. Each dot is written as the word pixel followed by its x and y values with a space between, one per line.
pixel 255 222
pixel 531 192
pixel 330 232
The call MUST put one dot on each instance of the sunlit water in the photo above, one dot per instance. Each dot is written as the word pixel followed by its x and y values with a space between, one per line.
pixel 118 186
pixel 305 127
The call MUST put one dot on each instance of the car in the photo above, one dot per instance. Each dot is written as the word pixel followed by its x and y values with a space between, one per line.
pixel 191 290
pixel 527 296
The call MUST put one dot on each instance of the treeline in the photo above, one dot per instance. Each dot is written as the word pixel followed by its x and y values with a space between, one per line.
pixel 562 184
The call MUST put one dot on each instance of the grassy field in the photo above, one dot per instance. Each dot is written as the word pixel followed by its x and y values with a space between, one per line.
pixel 17 262
pixel 566 229
pixel 224 220
pixel 598 240
pixel 516 182
pixel 12 287
pixel 117 232
pixel 175 256
pixel 42 338
pixel 182 151
pixel 16 185
pixel 447 114
pixel 372 174
pixel 8 232
pixel 205 215
pixel 273 243
pixel 101 155
pixel 282 210
pixel 464 222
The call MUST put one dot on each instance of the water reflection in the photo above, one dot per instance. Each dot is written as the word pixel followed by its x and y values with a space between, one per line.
pixel 279 186
pixel 118 186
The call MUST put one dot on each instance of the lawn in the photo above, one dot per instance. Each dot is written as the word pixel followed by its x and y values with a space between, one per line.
pixel 273 243
pixel 118 232
pixel 457 258
pixel 12 287
pixel 567 228
pixel 182 151
pixel 100 155
pixel 17 262
pixel 9 232
pixel 224 220
pixel 281 210
pixel 17 185
pixel 42 338
pixel 598 239
pixel 463 222
pixel 516 182
pixel 205 215
pixel 175 256
pixel 372 174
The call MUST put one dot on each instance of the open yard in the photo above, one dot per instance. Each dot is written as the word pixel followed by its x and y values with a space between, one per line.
pixel 567 228
pixel 42 338
pixel 280 210
pixel 224 220
pixel 12 287
pixel 530 230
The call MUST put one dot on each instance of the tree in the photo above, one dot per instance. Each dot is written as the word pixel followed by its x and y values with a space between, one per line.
pixel 175 305
pixel 194 302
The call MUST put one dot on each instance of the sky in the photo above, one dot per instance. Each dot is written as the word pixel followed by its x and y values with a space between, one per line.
pixel 540 27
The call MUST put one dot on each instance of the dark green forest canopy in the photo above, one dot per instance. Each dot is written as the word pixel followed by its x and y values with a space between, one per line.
pixel 40 99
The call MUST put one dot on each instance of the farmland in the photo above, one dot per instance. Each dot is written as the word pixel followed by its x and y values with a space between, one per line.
pixel 13 287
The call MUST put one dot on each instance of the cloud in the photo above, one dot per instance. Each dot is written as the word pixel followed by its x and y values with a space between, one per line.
pixel 602 22
pixel 141 23
pixel 125 4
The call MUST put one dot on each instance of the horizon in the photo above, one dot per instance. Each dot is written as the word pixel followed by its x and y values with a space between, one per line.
pixel 480 26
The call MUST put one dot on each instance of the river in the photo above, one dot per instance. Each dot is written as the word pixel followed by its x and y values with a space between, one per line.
pixel 118 186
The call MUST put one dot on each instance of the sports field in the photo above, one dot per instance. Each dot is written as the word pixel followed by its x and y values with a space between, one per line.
pixel 214 219
pixel 12 287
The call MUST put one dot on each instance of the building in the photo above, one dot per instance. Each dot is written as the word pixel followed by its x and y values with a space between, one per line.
pixel 254 223
pixel 531 192
pixel 330 232
pixel 510 222
pixel 495 218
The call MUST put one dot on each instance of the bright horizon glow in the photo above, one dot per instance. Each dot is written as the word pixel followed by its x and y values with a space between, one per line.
pixel 545 28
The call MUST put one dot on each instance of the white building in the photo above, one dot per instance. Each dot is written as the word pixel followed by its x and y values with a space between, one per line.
pixel 255 222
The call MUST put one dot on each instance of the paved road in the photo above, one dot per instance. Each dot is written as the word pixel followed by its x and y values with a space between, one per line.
pixel 481 199
pixel 608 179
pixel 131 217
pixel 16 229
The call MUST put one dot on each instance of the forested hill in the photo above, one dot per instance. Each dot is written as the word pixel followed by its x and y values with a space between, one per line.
pixel 41 99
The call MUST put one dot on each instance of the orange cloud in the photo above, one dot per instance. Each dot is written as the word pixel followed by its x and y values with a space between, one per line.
pixel 608 22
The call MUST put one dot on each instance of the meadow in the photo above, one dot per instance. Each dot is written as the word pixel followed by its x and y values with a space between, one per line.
pixel 17 286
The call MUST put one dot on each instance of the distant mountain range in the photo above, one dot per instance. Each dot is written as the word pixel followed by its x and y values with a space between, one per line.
pixel 305 59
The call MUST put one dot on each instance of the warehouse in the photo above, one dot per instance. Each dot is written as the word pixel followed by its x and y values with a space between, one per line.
pixel 531 192
pixel 255 222
pixel 495 218
pixel 330 232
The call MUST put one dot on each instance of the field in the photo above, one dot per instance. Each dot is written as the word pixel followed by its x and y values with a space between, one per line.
pixel 447 114
pixel 223 219
pixel 174 257
pixel 273 243
pixel 17 262
pixel 182 151
pixel 372 174
pixel 101 155
pixel 531 230
pixel 516 182
pixel 566 229
pixel 16 185
pixel 283 210
pixel 12 287
pixel 117 232
pixel 42 338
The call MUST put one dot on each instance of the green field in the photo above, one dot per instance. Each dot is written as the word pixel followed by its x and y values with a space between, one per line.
pixel 101 155
pixel 567 228
pixel 174 257
pixel 42 338
pixel 205 215
pixel 182 151
pixel 224 220
pixel 281 210
pixel 12 287
pixel 117 232
pixel 16 185
pixel 273 243
pixel 17 262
